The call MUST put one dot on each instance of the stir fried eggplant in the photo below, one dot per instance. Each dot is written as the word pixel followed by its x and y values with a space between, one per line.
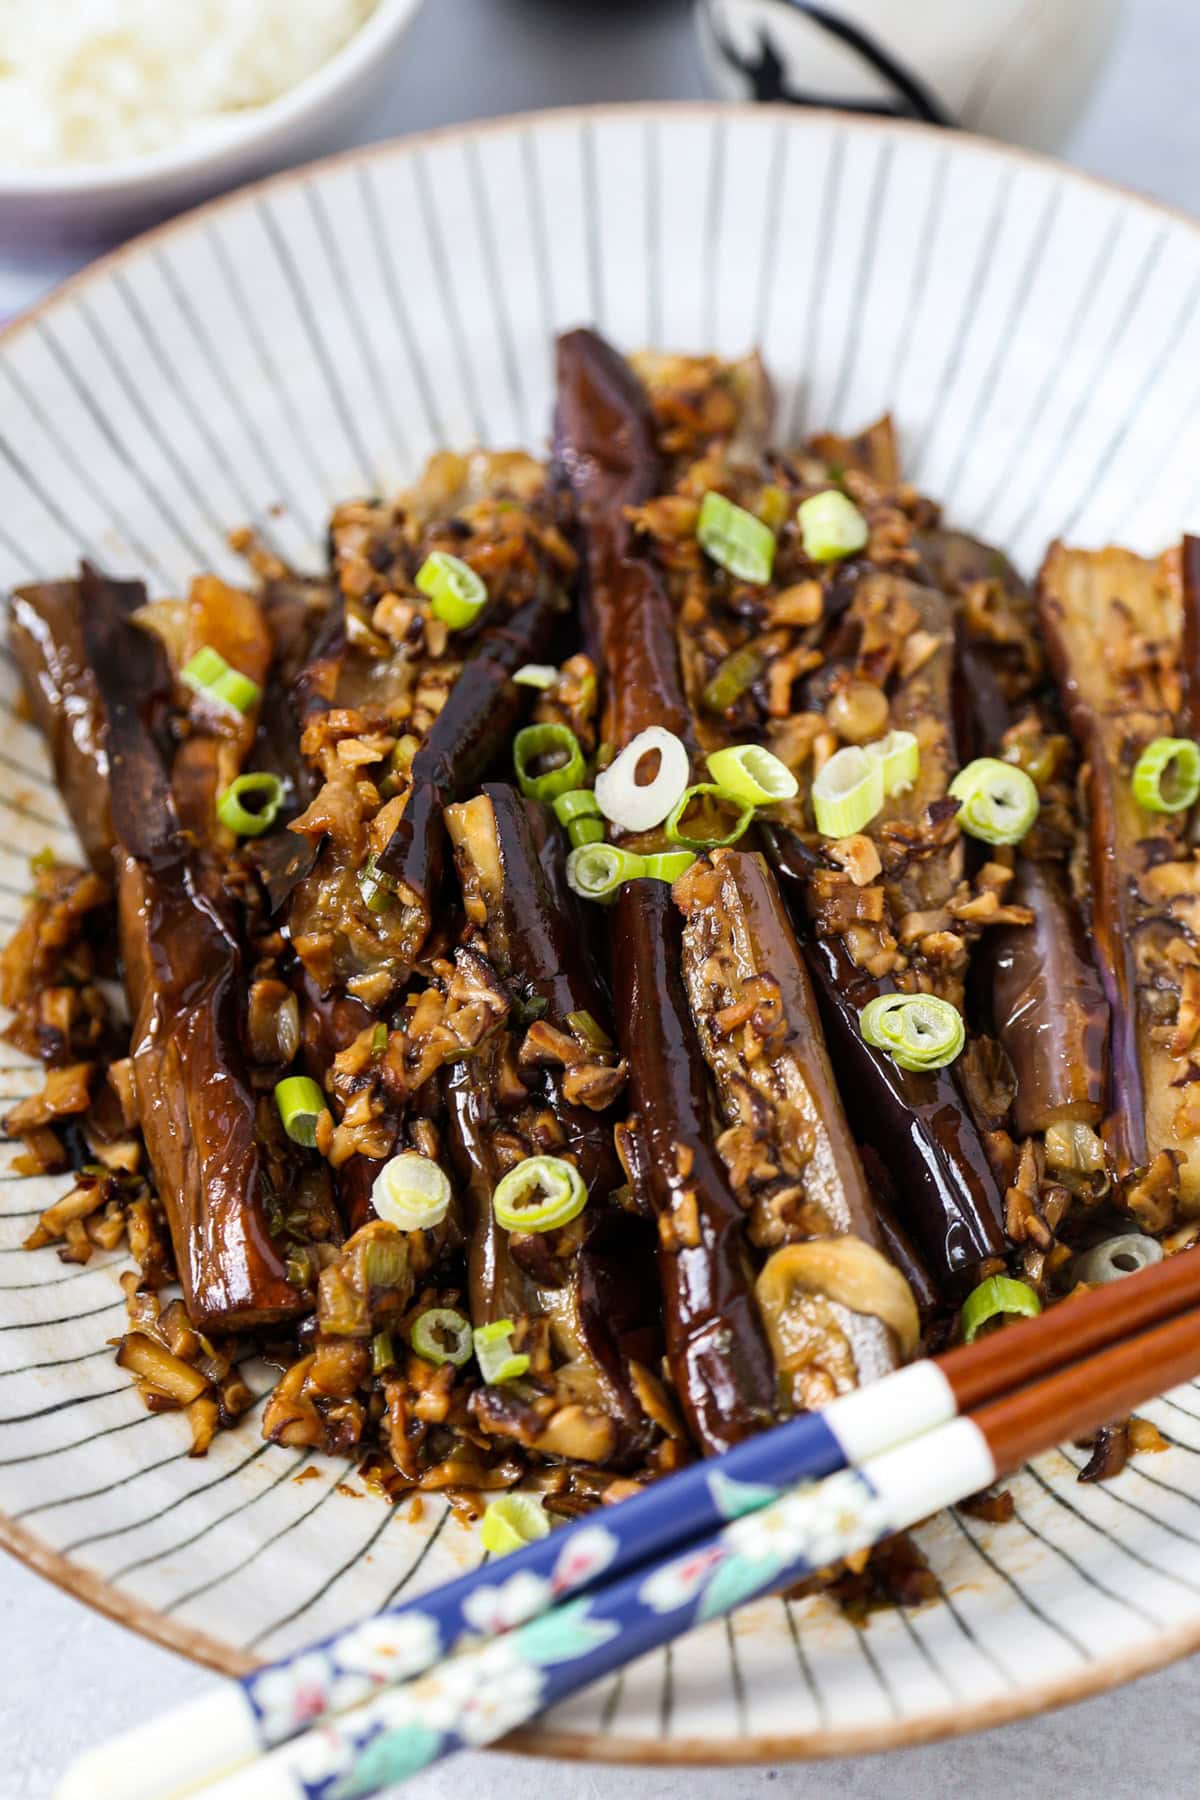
pixel 1114 630
pixel 572 1140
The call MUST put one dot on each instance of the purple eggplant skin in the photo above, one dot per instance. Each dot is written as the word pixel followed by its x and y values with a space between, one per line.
pixel 187 982
pixel 133 679
pixel 1049 1008
pixel 605 454
pixel 45 635
pixel 478 718
pixel 897 1245
pixel 717 1347
pixel 917 1123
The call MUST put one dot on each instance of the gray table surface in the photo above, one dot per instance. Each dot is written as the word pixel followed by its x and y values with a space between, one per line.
pixel 68 1676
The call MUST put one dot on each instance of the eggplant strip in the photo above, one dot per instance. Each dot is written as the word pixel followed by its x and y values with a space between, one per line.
pixel 761 1036
pixel 517 890
pixel 45 635
pixel 717 1349
pixel 606 454
pixel 476 721
pixel 187 983
pixel 1114 630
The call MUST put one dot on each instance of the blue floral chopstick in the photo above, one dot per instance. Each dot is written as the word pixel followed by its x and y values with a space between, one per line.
pixel 241 1721
pixel 473 1698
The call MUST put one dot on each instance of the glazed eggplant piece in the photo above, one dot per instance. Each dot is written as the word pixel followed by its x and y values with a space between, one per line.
pixel 787 1145
pixel 476 722
pixel 717 1346
pixel 918 1124
pixel 602 1306
pixel 1115 630
pixel 45 635
pixel 606 455
pixel 187 982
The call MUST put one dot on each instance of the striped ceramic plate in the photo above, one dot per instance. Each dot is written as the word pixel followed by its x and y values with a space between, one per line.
pixel 1037 337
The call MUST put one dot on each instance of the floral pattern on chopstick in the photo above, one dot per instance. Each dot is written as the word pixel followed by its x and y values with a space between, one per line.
pixel 473 1698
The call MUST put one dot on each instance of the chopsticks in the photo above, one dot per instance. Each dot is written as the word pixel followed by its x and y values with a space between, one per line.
pixel 606 1588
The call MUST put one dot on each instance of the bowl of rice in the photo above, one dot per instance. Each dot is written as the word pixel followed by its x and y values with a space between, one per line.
pixel 114 112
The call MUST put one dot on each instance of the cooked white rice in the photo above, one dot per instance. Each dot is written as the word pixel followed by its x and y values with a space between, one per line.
pixel 86 81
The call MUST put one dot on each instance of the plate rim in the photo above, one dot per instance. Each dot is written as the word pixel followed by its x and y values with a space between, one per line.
pixel 99 1594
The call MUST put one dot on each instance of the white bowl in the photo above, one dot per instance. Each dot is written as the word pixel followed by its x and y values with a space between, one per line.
pixel 1037 336
pixel 97 200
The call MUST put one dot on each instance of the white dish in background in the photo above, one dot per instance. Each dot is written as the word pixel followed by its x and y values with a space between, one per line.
pixel 99 200
pixel 1036 335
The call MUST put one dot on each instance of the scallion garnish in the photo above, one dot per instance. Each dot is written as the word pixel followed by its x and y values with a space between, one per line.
pixel 999 802
pixel 740 670
pixel 383 1352
pixel 576 803
pixel 586 1026
pixel 442 1335
pixel 667 865
pixel 301 1103
pixel 494 1352
pixel 734 538
pixel 540 1194
pixel 210 676
pixel 640 806
pixel 918 1031
pixel 375 887
pixel 455 592
pixel 535 743
pixel 264 791
pixel 1166 776
pixel 997 1297
pixel 899 756
pixel 831 526
pixel 709 797
pixel 411 1192
pixel 596 871
pixel 585 831
pixel 847 792
pixel 511 1521
pixel 752 775
pixel 536 675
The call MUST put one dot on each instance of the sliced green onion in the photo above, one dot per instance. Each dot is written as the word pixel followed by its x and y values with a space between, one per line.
pixel 513 1521
pixel 301 1103
pixel 442 1335
pixel 752 775
pixel 494 1352
pixel 734 538
pixel 831 526
pixel 536 675
pixel 740 670
pixel 537 741
pixel 997 1297
pixel 379 1038
pixel 585 831
pixel 999 802
pixel 584 1025
pixel 640 806
pixel 1166 778
pixel 668 865
pixel 596 871
pixel 411 1192
pixel 918 1031
pixel 455 592
pixel 576 803
pixel 848 792
pixel 694 839
pixel 899 756
pixel 1116 1257
pixel 209 675
pixel 383 1352
pixel 253 820
pixel 375 888
pixel 540 1194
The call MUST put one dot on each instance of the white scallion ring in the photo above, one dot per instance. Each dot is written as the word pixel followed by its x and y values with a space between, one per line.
pixel 634 806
